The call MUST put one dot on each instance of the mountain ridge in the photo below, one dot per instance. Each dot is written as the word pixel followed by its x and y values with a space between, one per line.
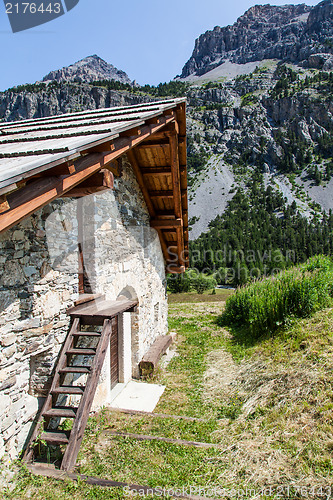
pixel 290 33
pixel 89 69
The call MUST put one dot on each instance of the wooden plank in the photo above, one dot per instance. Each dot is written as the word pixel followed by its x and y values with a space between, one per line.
pixel 164 194
pixel 157 171
pixel 55 437
pixel 75 369
pixel 150 360
pixel 87 334
pixel 83 410
pixel 157 415
pixel 85 167
pixel 83 351
pixel 145 437
pixel 166 224
pixel 114 361
pixel 42 470
pixel 88 297
pixel 107 309
pixel 60 412
pixel 69 390
pixel 176 187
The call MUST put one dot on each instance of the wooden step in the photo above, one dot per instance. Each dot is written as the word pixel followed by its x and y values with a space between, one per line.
pixel 82 351
pixel 86 334
pixel 55 437
pixel 61 411
pixel 68 390
pixel 75 369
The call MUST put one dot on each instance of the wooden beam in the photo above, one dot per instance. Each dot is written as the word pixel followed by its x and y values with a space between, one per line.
pixel 164 143
pixel 97 183
pixel 177 196
pixel 160 170
pixel 131 132
pixel 164 194
pixel 103 148
pixel 39 193
pixel 166 224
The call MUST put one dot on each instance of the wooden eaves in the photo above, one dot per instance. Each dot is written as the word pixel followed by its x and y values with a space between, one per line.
pixel 39 164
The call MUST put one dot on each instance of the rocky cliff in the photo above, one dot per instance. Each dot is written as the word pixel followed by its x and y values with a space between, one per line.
pixel 89 69
pixel 35 101
pixel 292 33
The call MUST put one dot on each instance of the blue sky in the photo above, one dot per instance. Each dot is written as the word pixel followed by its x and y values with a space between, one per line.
pixel 150 40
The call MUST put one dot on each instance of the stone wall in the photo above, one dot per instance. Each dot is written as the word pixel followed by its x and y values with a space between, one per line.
pixel 39 281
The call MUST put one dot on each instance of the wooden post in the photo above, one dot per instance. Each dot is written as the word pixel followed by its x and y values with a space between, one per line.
pixel 176 187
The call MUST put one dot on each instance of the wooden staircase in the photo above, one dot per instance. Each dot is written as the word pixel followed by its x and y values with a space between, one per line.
pixel 47 429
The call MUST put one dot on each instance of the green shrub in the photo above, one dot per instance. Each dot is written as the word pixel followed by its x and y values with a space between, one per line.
pixel 266 305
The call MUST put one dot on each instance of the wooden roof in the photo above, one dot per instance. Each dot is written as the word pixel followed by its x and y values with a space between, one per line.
pixel 46 158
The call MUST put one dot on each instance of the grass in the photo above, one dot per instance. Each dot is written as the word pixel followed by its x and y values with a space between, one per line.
pixel 221 295
pixel 267 403
pixel 264 306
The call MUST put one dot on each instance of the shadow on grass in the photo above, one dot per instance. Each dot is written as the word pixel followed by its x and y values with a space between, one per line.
pixel 242 336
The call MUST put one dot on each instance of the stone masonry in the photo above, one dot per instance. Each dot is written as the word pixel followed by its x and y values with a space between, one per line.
pixel 39 281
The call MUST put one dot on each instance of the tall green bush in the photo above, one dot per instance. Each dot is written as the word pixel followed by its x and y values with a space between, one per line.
pixel 266 305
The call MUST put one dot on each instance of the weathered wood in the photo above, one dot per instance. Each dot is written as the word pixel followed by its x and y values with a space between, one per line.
pixel 75 369
pixel 176 187
pixel 87 334
pixel 145 437
pixel 55 437
pixel 88 297
pixel 114 361
pixel 157 415
pixel 105 309
pixel 150 360
pixel 69 390
pixel 83 410
pixel 60 412
pixel 44 471
pixel 83 351
pixel 62 361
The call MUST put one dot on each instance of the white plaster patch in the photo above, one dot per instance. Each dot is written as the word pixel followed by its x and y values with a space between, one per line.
pixel 139 396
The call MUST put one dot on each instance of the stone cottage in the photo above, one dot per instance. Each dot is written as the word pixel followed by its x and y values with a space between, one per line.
pixel 93 213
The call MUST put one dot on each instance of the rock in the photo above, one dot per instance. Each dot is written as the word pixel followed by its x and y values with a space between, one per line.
pixel 4 403
pixel 9 382
pixel 12 275
pixel 8 340
pixel 89 69
pixel 290 32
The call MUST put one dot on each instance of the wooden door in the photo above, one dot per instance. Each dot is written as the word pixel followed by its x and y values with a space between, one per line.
pixel 114 353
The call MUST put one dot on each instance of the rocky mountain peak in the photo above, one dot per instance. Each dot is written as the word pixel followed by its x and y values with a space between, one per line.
pixel 89 69
pixel 291 33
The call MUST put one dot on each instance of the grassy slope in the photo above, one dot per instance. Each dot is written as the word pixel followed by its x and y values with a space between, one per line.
pixel 268 404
